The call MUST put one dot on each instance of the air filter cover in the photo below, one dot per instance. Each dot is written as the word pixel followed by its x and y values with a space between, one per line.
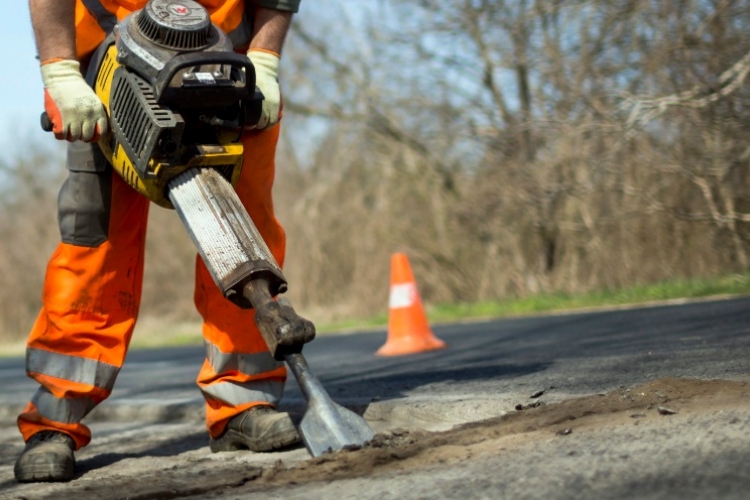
pixel 176 24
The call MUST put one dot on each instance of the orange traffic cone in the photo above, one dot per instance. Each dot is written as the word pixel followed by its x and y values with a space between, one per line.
pixel 408 330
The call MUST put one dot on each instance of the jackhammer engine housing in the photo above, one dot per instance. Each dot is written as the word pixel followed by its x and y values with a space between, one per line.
pixel 177 96
pixel 178 99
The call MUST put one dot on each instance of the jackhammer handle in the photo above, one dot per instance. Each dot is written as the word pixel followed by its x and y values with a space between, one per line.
pixel 194 59
pixel 46 123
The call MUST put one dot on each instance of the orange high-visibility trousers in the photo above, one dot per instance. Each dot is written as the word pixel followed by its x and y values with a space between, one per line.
pixel 90 302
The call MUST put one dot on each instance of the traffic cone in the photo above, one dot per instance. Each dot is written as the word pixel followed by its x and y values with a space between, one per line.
pixel 408 330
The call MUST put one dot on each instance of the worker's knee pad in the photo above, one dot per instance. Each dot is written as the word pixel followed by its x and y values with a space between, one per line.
pixel 83 205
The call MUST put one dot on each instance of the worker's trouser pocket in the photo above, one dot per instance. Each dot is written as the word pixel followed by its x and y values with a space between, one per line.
pixel 83 205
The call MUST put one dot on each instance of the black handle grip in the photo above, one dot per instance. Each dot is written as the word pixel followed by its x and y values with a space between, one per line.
pixel 46 123
pixel 183 61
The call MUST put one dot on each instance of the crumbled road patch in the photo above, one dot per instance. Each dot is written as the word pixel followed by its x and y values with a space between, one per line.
pixel 193 472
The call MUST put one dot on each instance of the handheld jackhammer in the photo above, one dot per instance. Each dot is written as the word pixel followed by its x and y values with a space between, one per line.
pixel 178 99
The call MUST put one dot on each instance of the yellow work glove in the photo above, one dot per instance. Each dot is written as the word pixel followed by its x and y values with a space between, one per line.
pixel 74 109
pixel 267 80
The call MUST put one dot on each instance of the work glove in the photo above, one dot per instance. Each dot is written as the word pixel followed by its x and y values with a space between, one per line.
pixel 266 79
pixel 74 109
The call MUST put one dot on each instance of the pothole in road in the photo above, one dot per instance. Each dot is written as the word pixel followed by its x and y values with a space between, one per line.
pixel 659 402
pixel 404 450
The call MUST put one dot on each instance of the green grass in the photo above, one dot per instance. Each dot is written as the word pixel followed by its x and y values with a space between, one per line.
pixel 193 337
pixel 738 284
pixel 351 325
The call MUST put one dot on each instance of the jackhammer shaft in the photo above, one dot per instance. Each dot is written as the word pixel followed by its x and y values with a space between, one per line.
pixel 246 272
pixel 237 257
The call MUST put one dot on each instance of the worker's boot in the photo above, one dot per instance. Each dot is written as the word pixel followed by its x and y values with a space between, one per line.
pixel 48 456
pixel 261 428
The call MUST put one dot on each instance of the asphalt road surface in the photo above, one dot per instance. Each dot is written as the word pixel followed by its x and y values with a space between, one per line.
pixel 152 421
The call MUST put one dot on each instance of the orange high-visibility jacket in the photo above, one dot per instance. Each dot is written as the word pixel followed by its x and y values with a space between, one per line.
pixel 96 18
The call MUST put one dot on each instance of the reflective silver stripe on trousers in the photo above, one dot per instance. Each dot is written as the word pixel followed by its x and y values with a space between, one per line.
pixel 65 410
pixel 249 364
pixel 257 391
pixel 105 18
pixel 73 368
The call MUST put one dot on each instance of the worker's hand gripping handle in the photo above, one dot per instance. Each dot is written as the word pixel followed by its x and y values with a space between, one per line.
pixel 282 329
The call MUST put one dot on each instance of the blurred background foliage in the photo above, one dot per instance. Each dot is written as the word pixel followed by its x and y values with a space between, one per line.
pixel 510 148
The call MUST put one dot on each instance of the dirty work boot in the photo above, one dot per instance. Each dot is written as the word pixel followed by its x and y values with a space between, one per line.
pixel 48 456
pixel 261 428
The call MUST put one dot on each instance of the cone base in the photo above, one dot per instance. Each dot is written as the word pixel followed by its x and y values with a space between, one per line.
pixel 410 344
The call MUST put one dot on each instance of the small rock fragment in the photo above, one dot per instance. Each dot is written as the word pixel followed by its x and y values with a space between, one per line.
pixel 535 404
pixel 564 432
pixel 537 394
pixel 663 410
pixel 734 420
pixel 637 415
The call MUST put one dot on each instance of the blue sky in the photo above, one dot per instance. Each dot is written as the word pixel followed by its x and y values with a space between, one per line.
pixel 21 91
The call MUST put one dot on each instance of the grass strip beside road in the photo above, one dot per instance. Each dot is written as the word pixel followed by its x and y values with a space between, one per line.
pixel 736 284
pixel 159 335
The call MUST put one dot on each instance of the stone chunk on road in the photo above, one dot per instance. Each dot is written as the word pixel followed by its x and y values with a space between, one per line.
pixel 663 410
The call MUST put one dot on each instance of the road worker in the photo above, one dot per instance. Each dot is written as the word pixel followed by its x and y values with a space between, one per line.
pixel 92 287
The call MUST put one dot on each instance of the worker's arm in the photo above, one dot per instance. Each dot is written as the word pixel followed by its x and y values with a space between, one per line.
pixel 54 28
pixel 271 27
pixel 75 110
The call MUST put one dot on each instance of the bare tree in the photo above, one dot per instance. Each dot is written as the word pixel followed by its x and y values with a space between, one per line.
pixel 510 147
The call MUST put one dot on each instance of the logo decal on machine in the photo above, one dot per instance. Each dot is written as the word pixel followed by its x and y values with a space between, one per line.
pixel 178 9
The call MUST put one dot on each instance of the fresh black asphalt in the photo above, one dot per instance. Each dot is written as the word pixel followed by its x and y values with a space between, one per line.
pixel 579 353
